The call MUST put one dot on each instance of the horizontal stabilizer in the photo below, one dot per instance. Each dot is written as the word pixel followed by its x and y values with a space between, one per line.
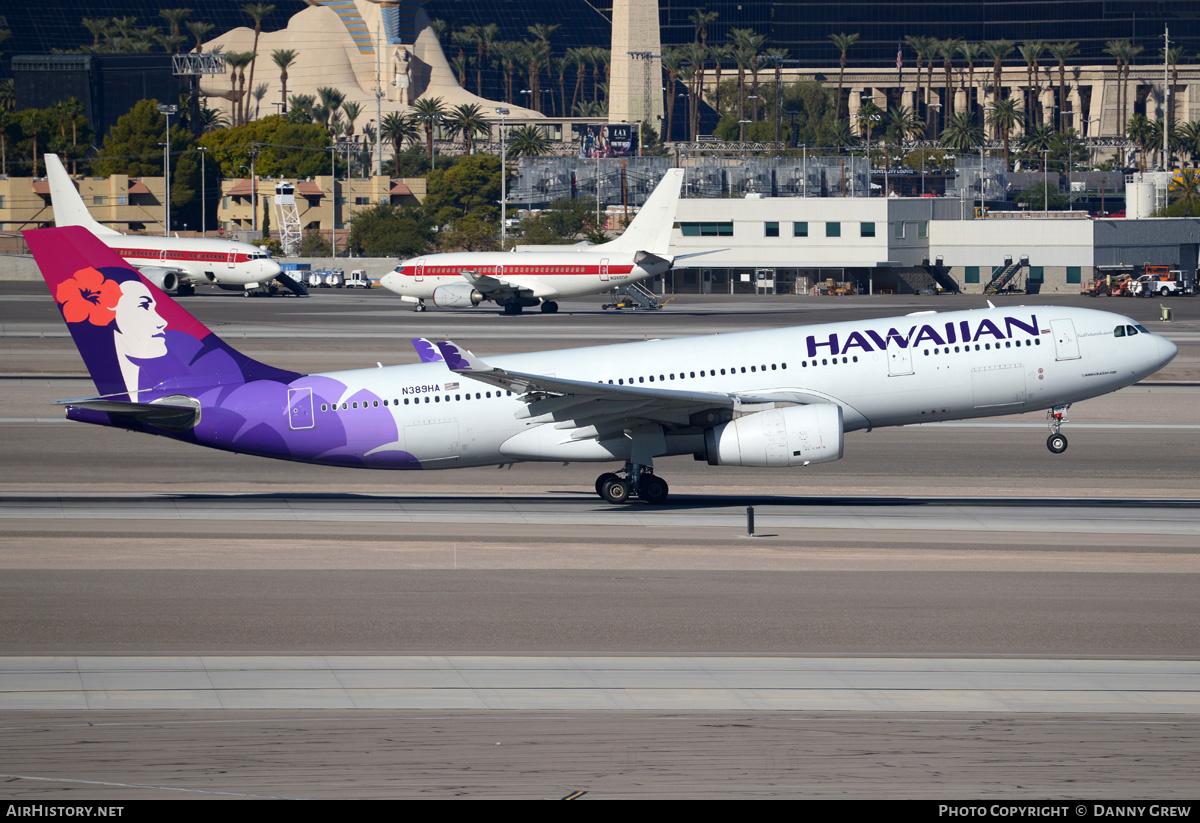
pixel 161 415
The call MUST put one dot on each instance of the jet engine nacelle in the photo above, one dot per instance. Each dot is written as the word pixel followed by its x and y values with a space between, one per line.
pixel 456 296
pixel 778 438
pixel 165 279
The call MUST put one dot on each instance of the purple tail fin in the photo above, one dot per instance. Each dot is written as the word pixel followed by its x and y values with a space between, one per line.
pixel 132 337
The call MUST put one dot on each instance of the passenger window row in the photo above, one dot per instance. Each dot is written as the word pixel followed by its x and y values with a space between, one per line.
pixel 1008 344
pixel 414 400
pixel 663 378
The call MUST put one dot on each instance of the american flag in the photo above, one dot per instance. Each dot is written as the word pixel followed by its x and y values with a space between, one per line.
pixel 450 386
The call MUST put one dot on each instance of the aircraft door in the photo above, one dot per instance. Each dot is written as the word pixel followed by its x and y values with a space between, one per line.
pixel 162 256
pixel 604 269
pixel 1066 344
pixel 300 409
pixel 419 268
pixel 899 358
pixel 232 258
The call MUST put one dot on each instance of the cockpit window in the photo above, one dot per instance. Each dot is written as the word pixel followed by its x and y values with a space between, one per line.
pixel 1131 331
pixel 1141 328
pixel 1119 331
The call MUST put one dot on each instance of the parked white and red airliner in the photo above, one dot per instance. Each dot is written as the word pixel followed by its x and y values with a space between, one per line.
pixel 174 264
pixel 522 278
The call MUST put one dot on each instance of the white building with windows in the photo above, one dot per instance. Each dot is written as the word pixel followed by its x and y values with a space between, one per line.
pixel 795 244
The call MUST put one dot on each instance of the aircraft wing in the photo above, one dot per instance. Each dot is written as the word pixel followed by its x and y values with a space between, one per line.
pixel 597 409
pixel 502 288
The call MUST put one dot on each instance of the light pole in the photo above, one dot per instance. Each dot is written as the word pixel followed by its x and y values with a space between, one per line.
pixel 167 110
pixel 1045 180
pixel 503 112
pixel 742 135
pixel 253 189
pixel 203 200
pixel 982 143
pixel 871 120
pixel 333 198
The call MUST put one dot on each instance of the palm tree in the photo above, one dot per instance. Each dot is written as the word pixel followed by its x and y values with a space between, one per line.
pixel 331 102
pixel 998 50
pixel 236 61
pixel 175 18
pixel 302 108
pixel 1003 118
pixel 754 47
pixel 507 54
pixel 1186 188
pixel 1139 130
pixel 695 54
pixel 579 59
pixel 257 12
pixel 396 129
pixel 1037 139
pixel 351 110
pixel 970 53
pixel 899 124
pixel 1031 52
pixel 963 131
pixel 284 59
pixel 946 50
pixel 923 46
pixel 528 140
pixel 427 110
pixel 199 30
pixel 542 32
pixel 537 54
pixel 467 120
pixel 1189 139
pixel 1062 52
pixel 99 28
pixel 842 42
pixel 485 36
pixel 718 54
pixel 701 20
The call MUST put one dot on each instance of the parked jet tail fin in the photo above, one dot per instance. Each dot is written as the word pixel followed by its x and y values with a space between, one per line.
pixel 651 229
pixel 68 206
pixel 132 337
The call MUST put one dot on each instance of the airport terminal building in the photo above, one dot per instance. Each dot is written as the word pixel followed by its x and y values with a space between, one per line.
pixel 905 245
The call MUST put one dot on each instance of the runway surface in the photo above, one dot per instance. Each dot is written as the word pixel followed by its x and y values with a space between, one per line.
pixel 949 611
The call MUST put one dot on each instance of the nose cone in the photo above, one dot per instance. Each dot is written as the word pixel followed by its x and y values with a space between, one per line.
pixel 271 268
pixel 391 281
pixel 1166 351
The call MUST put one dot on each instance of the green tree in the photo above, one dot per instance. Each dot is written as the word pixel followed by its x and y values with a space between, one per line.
pixel 471 186
pixel 314 244
pixel 469 121
pixel 131 146
pixel 385 230
pixel 1140 131
pixel 1003 118
pixel 286 149
pixel 1062 52
pixel 1035 197
pixel 284 59
pixel 563 223
pixel 429 110
pixel 1185 195
pixel 470 233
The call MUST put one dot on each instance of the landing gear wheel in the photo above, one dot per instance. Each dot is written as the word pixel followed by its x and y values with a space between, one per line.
pixel 513 308
pixel 549 307
pixel 616 491
pixel 185 290
pixel 653 489
pixel 420 306
pixel 602 479
pixel 1056 443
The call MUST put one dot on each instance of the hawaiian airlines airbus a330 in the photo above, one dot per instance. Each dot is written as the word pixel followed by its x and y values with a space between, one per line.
pixel 175 264
pixel 775 398
pixel 523 278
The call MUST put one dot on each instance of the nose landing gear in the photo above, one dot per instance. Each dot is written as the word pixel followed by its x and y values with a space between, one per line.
pixel 1056 442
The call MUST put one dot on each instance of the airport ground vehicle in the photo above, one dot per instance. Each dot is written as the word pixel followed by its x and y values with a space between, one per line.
pixel 358 280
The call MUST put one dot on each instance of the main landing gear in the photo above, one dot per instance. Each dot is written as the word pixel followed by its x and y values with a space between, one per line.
pixel 1057 442
pixel 549 307
pixel 639 481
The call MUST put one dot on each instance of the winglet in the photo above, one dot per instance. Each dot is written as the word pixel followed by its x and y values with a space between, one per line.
pixel 427 351
pixel 459 359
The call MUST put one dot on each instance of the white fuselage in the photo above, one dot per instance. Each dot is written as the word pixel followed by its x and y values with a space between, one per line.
pixel 197 260
pixel 548 275
pixel 951 366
